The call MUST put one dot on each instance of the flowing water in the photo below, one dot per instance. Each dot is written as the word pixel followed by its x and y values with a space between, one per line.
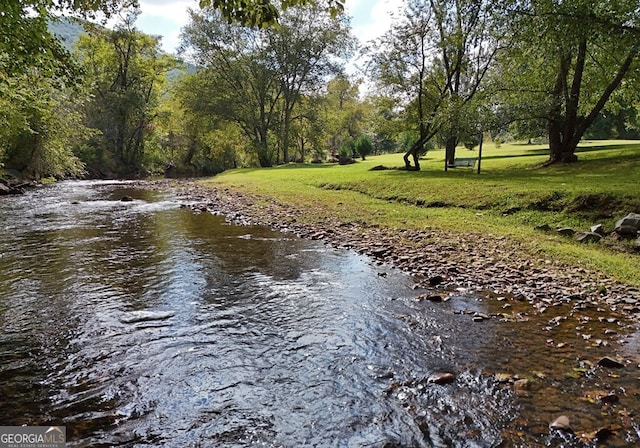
pixel 141 323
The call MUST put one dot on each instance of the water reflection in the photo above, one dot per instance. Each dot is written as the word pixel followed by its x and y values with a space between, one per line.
pixel 140 323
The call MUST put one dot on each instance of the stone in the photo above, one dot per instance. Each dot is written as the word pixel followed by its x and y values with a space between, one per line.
pixel 566 231
pixel 442 378
pixel 503 377
pixel 611 398
pixel 436 280
pixel 589 237
pixel 126 199
pixel 611 363
pixel 562 423
pixel 522 385
pixel 603 433
pixel 599 229
pixel 479 317
pixel 543 227
pixel 629 225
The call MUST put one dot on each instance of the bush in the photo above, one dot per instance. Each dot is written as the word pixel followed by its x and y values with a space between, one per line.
pixel 363 146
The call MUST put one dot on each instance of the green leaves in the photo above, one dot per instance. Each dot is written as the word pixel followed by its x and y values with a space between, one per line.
pixel 262 13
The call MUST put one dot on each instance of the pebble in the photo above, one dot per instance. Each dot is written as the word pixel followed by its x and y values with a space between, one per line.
pixel 442 378
pixel 561 423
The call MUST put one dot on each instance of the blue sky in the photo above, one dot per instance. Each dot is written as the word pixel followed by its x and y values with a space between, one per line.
pixel 370 18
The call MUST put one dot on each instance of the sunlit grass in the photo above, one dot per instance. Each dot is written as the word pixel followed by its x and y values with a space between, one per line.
pixel 511 195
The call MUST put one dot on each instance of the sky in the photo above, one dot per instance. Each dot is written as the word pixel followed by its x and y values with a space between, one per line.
pixel 370 18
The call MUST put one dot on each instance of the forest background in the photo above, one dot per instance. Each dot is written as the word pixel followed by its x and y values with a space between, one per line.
pixel 264 86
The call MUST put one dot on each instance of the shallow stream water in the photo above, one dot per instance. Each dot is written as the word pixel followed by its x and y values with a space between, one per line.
pixel 142 323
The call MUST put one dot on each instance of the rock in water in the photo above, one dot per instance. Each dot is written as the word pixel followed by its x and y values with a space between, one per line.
pixel 562 423
pixel 436 280
pixel 610 362
pixel 442 378
pixel 145 316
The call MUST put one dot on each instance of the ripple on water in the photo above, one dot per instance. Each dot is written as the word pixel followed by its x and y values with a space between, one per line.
pixel 142 324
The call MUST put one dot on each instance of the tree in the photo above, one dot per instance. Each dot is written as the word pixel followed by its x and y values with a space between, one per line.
pixel 25 38
pixel 241 83
pixel 126 69
pixel 255 77
pixel 437 57
pixel 307 47
pixel 40 87
pixel 342 112
pixel 39 126
pixel 582 56
pixel 363 146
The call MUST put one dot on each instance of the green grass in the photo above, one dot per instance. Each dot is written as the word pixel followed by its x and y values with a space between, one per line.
pixel 510 196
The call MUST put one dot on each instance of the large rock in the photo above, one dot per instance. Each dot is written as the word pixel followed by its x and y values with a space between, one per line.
pixel 10 187
pixel 566 231
pixel 589 237
pixel 629 225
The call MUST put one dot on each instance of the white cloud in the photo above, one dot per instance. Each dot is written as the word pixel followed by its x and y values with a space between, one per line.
pixel 165 18
pixel 371 19
pixel 175 10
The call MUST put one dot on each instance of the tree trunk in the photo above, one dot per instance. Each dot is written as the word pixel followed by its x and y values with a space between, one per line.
pixel 450 150
pixel 264 158
pixel 565 131
pixel 285 135
pixel 414 151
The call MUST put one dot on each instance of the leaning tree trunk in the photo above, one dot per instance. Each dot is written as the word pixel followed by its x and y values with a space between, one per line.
pixel 566 130
pixel 414 152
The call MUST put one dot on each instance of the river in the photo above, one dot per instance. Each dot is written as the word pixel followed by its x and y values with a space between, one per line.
pixel 142 323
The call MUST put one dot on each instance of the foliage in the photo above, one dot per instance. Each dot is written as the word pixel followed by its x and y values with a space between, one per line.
pixel 434 60
pixel 363 146
pixel 584 56
pixel 262 13
pixel 25 36
pixel 256 79
pixel 126 69
pixel 39 126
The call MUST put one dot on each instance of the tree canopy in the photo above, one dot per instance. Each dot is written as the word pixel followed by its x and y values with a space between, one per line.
pixel 255 78
pixel 267 83
pixel 584 55
pixel 261 13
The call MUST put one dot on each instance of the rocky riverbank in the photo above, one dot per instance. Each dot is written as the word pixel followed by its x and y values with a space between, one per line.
pixel 442 264
pixel 560 323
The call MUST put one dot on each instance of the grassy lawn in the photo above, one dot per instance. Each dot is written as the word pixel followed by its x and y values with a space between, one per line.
pixel 510 196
